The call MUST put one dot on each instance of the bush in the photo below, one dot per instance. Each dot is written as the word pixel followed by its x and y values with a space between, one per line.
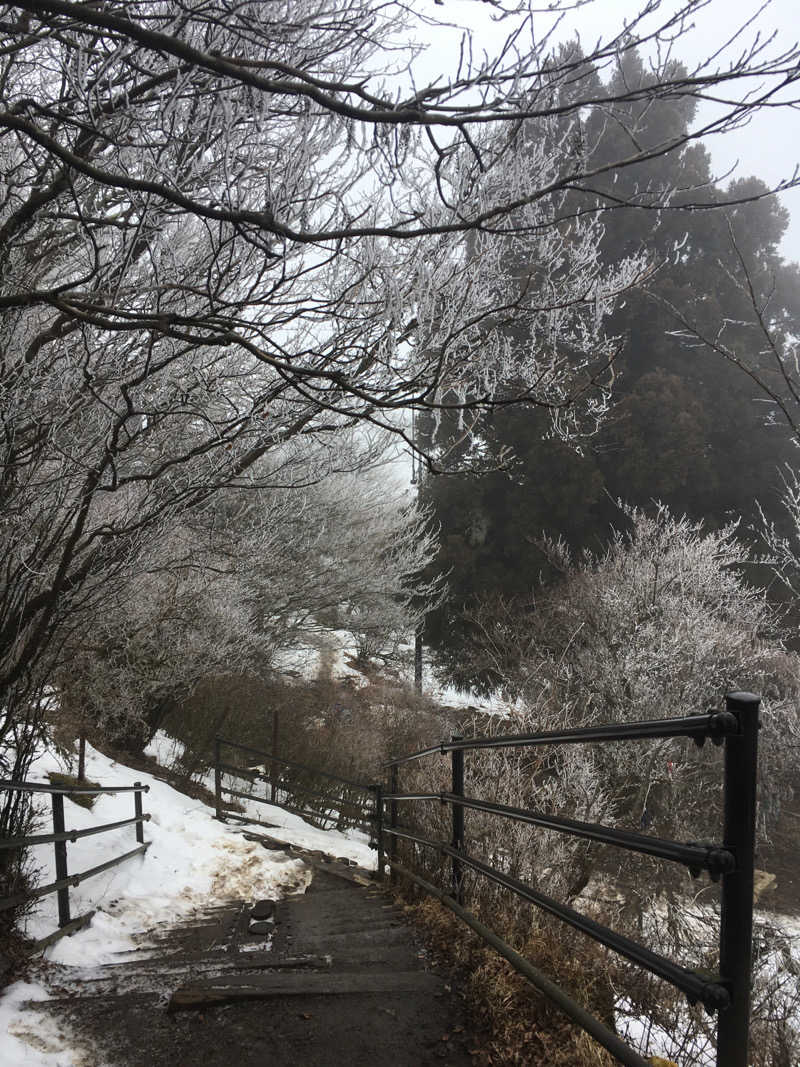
pixel 660 624
pixel 83 800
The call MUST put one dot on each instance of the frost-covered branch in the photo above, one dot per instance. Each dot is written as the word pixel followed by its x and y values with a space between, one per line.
pixel 228 230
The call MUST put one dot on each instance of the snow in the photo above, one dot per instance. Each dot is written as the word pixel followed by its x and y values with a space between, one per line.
pixel 165 750
pixel 642 1033
pixel 293 829
pixel 332 654
pixel 328 656
pixel 466 700
pixel 282 825
pixel 192 862
pixel 682 1043
pixel 29 1038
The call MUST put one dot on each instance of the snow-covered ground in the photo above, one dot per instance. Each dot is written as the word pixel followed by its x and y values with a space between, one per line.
pixel 776 940
pixel 283 825
pixel 328 655
pixel 192 862
pixel 335 651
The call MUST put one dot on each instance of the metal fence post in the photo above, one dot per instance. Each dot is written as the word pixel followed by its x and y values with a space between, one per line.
pixel 137 808
pixel 218 779
pixel 61 858
pixel 393 788
pixel 458 820
pixel 736 926
pixel 378 791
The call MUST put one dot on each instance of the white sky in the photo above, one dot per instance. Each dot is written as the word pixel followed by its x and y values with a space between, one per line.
pixel 768 148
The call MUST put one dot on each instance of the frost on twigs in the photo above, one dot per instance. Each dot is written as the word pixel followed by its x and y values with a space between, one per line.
pixel 227 589
pixel 226 231
pixel 660 624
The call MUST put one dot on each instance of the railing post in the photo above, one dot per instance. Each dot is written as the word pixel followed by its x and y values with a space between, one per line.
pixel 137 809
pixel 61 858
pixel 394 788
pixel 458 820
pixel 736 925
pixel 218 779
pixel 378 791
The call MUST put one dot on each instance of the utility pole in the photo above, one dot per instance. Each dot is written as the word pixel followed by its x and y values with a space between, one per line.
pixel 418 659
pixel 416 479
pixel 275 768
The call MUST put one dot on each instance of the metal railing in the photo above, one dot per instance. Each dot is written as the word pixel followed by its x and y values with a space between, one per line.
pixel 731 860
pixel 341 803
pixel 59 838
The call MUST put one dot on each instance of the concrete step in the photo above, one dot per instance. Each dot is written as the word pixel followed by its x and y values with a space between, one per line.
pixel 340 983
pixel 356 902
pixel 348 923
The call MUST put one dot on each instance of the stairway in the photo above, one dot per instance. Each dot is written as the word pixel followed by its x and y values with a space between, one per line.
pixel 333 977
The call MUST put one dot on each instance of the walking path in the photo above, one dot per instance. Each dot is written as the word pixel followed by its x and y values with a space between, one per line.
pixel 333 977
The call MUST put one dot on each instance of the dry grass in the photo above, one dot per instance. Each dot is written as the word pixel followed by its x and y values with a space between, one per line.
pixel 517 1026
pixel 84 800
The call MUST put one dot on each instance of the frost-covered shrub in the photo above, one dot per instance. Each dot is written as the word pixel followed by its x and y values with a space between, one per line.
pixel 247 578
pixel 661 624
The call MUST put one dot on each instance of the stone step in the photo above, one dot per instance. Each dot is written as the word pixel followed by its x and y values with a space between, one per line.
pixel 344 924
pixel 365 908
pixel 339 983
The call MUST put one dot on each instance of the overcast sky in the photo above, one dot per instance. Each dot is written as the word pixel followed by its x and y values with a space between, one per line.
pixel 768 148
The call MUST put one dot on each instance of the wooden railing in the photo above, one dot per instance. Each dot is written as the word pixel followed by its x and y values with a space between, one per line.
pixel 327 800
pixel 59 839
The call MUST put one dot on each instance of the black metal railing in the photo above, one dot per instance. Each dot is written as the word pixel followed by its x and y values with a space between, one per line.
pixel 328 800
pixel 59 838
pixel 730 861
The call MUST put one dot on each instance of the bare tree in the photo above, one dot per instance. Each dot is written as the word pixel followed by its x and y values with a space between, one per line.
pixel 662 619
pixel 241 580
pixel 660 623
pixel 227 227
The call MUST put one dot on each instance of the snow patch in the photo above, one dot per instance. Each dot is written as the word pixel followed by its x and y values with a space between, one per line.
pixel 32 1038
pixel 192 861
pixel 165 750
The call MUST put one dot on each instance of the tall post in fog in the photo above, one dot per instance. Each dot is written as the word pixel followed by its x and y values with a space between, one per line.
pixel 416 479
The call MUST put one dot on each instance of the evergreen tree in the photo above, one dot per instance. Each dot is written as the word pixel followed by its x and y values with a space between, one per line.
pixel 685 428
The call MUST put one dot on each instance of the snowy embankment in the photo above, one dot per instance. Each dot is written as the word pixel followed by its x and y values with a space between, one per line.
pixel 334 655
pixel 193 861
pixel 283 825
pixel 775 1001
